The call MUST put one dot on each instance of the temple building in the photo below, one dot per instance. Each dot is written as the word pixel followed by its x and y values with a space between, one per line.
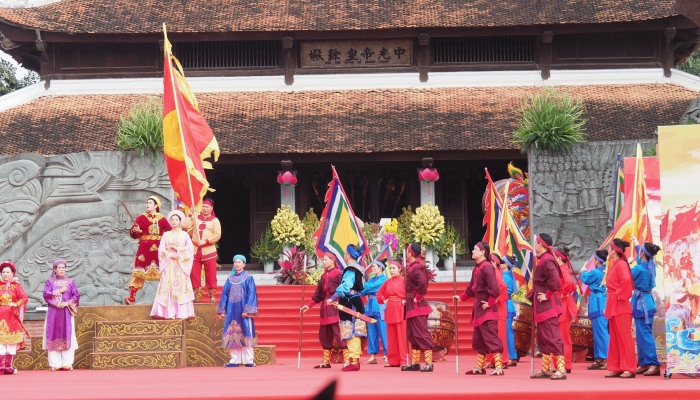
pixel 378 88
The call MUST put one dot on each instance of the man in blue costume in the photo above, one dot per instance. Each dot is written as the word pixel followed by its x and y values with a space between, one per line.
pixel 596 309
pixel 238 305
pixel 375 310
pixel 348 295
pixel 644 308
pixel 510 262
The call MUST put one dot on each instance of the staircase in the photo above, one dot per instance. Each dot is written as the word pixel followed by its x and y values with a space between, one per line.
pixel 138 344
pixel 278 319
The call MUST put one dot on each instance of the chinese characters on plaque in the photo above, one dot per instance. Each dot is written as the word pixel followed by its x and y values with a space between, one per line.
pixel 356 53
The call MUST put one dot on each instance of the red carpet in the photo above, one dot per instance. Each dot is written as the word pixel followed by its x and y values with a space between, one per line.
pixel 278 320
pixel 284 381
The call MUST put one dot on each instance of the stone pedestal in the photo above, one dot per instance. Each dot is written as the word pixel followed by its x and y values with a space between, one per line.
pixel 287 196
pixel 427 193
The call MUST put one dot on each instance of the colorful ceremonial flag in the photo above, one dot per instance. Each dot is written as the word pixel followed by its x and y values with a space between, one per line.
pixel 641 226
pixel 187 138
pixel 618 192
pixel 338 227
pixel 384 254
pixel 492 217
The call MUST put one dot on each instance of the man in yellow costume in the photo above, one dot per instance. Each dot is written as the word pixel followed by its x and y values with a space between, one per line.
pixel 204 239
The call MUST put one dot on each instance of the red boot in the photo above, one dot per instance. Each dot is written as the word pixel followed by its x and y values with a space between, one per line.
pixel 8 365
pixel 132 296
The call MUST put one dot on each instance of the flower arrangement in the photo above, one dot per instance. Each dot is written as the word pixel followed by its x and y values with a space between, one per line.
pixel 311 224
pixel 371 234
pixel 391 226
pixel 392 241
pixel 427 225
pixel 451 236
pixel 403 230
pixel 287 227
pixel 291 270
pixel 266 249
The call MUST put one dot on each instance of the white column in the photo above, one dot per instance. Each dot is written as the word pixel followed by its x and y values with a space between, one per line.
pixel 287 196
pixel 427 193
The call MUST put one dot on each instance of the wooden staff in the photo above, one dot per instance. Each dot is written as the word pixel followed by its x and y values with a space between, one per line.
pixel 301 315
pixel 454 292
pixel 532 333
pixel 405 271
pixel 355 314
pixel 128 212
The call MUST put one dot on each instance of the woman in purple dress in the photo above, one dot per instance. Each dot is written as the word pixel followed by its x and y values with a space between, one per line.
pixel 62 296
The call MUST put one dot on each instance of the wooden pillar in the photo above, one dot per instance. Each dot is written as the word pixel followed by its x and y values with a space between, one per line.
pixel 423 58
pixel 545 53
pixel 668 61
pixel 289 59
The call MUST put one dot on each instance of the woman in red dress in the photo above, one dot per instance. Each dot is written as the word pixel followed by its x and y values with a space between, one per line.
pixel 148 228
pixel 622 361
pixel 393 294
pixel 13 302
pixel 569 309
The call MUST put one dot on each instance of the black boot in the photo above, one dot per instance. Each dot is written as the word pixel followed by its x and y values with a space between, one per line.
pixel 412 367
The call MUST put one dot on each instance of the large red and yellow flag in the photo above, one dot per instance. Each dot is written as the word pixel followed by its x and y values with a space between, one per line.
pixel 187 138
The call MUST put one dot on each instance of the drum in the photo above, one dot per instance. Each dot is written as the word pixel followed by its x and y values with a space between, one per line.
pixel 582 334
pixel 522 328
pixel 441 326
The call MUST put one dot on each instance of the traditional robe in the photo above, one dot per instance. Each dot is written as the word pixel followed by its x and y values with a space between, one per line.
pixel 546 279
pixel 391 293
pixel 618 310
pixel 373 309
pixel 174 297
pixel 348 295
pixel 329 328
pixel 209 233
pixel 509 280
pixel 569 311
pixel 11 332
pixel 643 310
pixel 146 263
pixel 417 307
pixel 501 303
pixel 484 287
pixel 237 297
pixel 596 308
pixel 59 329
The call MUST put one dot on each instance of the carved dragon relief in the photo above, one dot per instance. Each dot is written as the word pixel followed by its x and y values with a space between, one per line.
pixel 67 206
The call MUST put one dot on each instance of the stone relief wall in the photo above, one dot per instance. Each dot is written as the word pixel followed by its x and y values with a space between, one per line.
pixel 68 206
pixel 573 194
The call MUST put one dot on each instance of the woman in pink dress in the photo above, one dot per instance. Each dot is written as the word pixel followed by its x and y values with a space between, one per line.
pixel 175 297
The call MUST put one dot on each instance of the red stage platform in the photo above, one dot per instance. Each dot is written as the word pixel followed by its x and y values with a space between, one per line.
pixel 284 381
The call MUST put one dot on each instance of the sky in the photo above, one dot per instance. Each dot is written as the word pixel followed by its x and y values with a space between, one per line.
pixel 21 72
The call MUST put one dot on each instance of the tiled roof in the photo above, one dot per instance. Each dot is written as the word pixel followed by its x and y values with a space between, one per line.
pixel 356 121
pixel 145 16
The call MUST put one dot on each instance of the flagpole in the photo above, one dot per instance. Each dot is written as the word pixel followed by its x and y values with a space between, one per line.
pixel 454 293
pixel 193 207
pixel 532 273
pixel 408 362
pixel 301 317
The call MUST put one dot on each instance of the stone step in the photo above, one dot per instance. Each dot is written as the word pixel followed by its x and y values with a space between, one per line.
pixel 139 328
pixel 138 360
pixel 118 344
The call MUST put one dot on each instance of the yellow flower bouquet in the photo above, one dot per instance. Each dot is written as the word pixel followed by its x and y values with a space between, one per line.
pixel 427 225
pixel 287 227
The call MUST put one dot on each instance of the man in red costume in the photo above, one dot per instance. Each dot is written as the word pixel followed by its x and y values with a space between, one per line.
pixel 204 239
pixel 329 328
pixel 483 288
pixel 417 310
pixel 546 306
pixel 622 361
pixel 148 228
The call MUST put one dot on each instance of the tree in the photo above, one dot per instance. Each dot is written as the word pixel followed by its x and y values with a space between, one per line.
pixel 692 64
pixel 9 81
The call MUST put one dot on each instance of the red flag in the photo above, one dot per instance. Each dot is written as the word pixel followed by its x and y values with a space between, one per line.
pixel 187 138
pixel 683 225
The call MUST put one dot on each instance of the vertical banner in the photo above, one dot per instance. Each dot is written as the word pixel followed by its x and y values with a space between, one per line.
pixel 653 204
pixel 679 161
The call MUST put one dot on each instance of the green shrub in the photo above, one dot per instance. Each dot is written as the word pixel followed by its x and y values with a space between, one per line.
pixel 692 64
pixel 143 128
pixel 550 121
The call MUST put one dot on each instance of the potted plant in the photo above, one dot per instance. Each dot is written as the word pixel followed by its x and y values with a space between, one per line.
pixel 444 245
pixel 266 249
pixel 287 228
pixel 427 226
